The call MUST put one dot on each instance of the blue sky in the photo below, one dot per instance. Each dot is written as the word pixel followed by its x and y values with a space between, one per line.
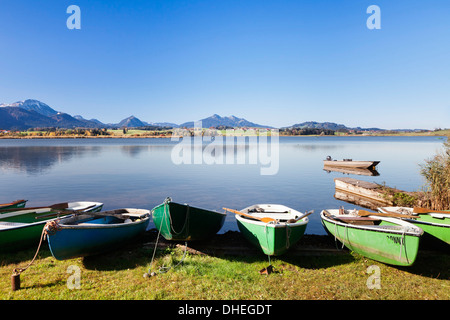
pixel 277 62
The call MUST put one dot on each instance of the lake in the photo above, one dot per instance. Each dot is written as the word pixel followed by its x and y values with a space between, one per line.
pixel 141 173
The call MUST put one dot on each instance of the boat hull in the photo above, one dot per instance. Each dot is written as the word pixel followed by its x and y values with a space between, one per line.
pixel 93 235
pixel 13 205
pixel 181 222
pixel 351 164
pixel 273 239
pixel 434 225
pixel 393 245
pixel 22 229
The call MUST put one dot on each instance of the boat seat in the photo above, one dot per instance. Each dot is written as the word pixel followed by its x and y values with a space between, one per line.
pixel 357 220
pixel 274 215
pixel 134 215
pixel 7 225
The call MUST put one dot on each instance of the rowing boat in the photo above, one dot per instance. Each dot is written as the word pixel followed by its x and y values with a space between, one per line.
pixel 434 224
pixel 94 233
pixel 385 239
pixel 22 228
pixel 272 228
pixel 183 222
pixel 350 163
pixel 12 205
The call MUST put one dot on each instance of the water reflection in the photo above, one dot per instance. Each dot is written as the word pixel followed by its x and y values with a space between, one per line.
pixel 349 171
pixel 140 173
pixel 37 160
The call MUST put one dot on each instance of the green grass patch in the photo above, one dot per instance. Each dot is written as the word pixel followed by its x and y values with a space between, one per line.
pixel 120 276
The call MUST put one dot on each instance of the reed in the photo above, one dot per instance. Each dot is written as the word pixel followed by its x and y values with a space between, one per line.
pixel 436 172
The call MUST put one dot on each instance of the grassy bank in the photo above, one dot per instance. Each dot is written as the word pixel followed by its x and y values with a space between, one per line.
pixel 325 276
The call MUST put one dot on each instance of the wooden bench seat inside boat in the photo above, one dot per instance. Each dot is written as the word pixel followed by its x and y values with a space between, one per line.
pixel 357 220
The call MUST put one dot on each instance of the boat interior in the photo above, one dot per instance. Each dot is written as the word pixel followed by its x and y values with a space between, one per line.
pixel 351 219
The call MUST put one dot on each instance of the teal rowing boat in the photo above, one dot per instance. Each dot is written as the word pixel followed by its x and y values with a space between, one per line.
pixel 23 228
pixel 182 222
pixel 12 205
pixel 434 224
pixel 272 228
pixel 385 239
pixel 94 233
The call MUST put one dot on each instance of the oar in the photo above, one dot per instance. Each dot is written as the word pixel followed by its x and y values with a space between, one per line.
pixel 264 219
pixel 301 217
pixel 364 213
pixel 425 210
pixel 64 211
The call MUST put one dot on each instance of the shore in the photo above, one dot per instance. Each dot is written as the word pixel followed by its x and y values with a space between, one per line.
pixel 225 268
pixel 143 134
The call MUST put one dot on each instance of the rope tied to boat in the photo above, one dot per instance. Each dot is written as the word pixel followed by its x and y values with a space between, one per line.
pixel 50 228
pixel 165 269
pixel 336 236
pixel 288 235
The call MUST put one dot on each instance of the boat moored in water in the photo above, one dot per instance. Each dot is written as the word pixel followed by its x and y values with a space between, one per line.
pixel 350 163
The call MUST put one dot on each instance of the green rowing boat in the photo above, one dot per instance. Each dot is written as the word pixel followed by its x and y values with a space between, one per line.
pixel 23 228
pixel 12 205
pixel 434 224
pixel 182 222
pixel 272 228
pixel 385 239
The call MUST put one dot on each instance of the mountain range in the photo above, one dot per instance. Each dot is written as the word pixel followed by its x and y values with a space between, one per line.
pixel 23 115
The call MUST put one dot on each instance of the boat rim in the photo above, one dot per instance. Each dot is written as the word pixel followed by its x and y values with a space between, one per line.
pixel 187 204
pixel 20 225
pixel 278 224
pixel 403 227
pixel 428 223
pixel 62 223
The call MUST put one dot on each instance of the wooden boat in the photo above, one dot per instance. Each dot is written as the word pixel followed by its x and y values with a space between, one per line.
pixel 182 222
pixel 434 224
pixel 349 163
pixel 22 228
pixel 12 205
pixel 273 228
pixel 93 233
pixel 385 239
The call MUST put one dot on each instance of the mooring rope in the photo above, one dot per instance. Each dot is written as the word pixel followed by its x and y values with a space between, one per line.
pixel 166 269
pixel 402 245
pixel 335 239
pixel 51 226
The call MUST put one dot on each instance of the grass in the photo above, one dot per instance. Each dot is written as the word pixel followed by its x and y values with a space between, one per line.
pixel 120 276
pixel 436 172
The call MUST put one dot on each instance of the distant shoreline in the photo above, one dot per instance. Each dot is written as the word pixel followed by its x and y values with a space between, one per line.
pixel 428 134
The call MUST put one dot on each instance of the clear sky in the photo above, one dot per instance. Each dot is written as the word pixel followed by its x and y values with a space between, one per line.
pixel 273 62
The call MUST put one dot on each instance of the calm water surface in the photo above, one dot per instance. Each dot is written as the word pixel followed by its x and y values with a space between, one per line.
pixel 140 173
